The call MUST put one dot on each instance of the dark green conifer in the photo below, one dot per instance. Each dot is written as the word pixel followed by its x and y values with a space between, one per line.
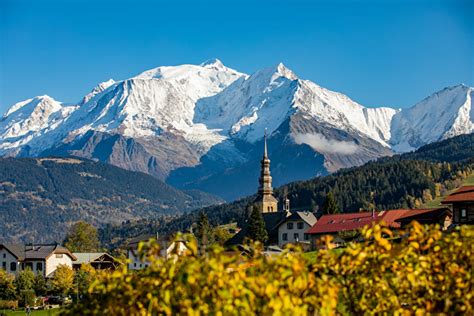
pixel 256 226
pixel 330 205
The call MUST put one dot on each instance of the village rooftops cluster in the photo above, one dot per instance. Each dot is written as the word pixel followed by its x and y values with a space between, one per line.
pixel 286 226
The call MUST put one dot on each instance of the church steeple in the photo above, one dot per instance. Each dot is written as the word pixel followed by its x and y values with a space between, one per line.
pixel 265 154
pixel 265 199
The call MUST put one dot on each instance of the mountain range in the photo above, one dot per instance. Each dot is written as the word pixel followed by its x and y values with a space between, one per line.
pixel 202 126
pixel 41 197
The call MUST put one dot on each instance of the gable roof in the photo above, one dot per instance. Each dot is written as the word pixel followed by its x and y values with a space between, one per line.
pixel 37 252
pixel 424 215
pixel 463 194
pixel 88 257
pixel 16 250
pixel 306 216
pixel 340 222
pixel 392 218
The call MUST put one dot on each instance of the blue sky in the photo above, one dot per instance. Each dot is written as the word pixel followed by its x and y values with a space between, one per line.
pixel 391 53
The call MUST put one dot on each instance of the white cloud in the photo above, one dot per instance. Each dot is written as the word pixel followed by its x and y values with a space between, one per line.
pixel 323 145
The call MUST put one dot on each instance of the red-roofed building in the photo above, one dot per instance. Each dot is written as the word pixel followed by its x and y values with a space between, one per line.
pixel 336 223
pixel 462 201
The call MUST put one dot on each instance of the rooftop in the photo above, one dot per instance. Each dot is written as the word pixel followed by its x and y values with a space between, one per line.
pixel 350 221
pixel 38 252
pixel 463 194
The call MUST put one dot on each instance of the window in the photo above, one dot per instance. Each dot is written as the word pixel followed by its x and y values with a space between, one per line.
pixel 289 225
pixel 39 266
pixel 4 265
pixel 135 264
pixel 12 266
pixel 463 212
pixel 284 236
pixel 4 255
pixel 59 255
pixel 29 265
pixel 268 208
pixel 306 237
pixel 296 236
pixel 300 225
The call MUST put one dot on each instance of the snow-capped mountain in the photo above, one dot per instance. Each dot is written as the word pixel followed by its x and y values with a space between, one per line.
pixel 201 126
pixel 444 114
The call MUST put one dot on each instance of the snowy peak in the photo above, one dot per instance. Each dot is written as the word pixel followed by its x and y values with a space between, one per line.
pixel 446 113
pixel 208 103
pixel 283 71
pixel 40 104
pixel 98 89
pixel 28 119
pixel 213 63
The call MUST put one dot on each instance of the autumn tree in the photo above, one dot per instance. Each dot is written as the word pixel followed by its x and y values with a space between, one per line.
pixel 63 279
pixel 330 205
pixel 221 235
pixel 84 277
pixel 256 226
pixel 7 286
pixel 82 237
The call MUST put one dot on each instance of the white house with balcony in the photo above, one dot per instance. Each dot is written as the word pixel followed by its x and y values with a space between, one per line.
pixel 41 259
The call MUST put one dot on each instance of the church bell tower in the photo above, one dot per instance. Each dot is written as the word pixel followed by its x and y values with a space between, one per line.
pixel 265 200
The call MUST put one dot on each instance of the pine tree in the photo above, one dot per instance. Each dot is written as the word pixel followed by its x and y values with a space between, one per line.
pixel 204 230
pixel 330 205
pixel 256 226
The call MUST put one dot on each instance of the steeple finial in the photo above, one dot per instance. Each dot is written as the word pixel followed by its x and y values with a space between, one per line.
pixel 265 154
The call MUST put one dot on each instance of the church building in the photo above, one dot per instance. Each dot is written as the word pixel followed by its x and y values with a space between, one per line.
pixel 265 200
pixel 268 206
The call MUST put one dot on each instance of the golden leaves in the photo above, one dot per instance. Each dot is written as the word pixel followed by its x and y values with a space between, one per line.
pixel 419 271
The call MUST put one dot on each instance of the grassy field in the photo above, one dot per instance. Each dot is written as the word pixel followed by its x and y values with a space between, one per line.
pixel 49 312
pixel 469 180
pixel 437 202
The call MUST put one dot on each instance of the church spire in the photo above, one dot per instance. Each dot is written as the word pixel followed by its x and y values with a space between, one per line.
pixel 265 199
pixel 265 154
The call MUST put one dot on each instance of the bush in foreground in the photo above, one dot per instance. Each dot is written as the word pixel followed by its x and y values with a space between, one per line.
pixel 426 272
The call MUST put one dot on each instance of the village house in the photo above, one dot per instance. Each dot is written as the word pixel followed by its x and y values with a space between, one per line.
pixel 462 205
pixel 344 226
pixel 98 260
pixel 41 259
pixel 292 229
pixel 168 247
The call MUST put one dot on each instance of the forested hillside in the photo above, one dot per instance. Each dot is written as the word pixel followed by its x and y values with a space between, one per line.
pixel 401 181
pixel 40 197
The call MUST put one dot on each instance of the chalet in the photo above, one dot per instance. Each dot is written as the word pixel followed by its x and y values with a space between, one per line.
pixel 341 225
pixel 292 229
pixel 98 260
pixel 462 205
pixel 168 248
pixel 41 259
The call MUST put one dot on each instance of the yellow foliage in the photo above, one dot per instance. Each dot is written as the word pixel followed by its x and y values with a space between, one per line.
pixel 427 271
